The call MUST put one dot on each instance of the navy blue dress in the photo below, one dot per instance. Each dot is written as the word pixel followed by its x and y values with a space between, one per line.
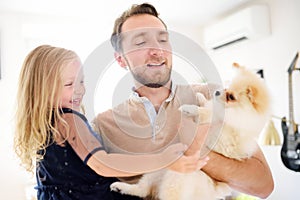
pixel 62 175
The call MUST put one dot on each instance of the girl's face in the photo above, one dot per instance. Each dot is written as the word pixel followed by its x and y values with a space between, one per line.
pixel 73 86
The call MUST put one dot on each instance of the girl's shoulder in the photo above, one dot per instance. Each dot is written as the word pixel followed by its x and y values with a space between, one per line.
pixel 72 120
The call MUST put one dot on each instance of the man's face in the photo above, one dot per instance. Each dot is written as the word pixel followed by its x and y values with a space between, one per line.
pixel 147 50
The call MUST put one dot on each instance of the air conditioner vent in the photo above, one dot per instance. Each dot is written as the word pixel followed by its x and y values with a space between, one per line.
pixel 249 24
pixel 231 42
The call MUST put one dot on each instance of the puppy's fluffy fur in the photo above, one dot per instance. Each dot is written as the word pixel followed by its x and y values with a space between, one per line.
pixel 247 109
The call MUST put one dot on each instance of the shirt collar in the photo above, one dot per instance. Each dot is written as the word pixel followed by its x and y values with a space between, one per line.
pixel 136 97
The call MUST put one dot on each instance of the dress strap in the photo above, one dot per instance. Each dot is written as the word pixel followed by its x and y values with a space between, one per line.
pixel 92 153
pixel 69 110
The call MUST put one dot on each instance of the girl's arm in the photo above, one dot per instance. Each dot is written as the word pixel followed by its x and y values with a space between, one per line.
pixel 90 150
pixel 122 165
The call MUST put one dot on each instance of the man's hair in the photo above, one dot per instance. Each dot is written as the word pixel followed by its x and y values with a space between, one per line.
pixel 136 9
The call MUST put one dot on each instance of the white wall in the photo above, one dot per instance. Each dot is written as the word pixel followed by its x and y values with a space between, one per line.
pixel 273 54
pixel 11 52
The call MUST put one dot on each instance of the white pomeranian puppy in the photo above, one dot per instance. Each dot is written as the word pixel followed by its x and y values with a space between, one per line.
pixel 246 102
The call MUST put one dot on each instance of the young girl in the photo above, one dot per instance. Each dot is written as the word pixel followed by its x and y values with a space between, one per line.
pixel 71 162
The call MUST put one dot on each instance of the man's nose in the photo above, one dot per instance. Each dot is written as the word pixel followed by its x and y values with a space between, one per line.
pixel 156 51
pixel 155 48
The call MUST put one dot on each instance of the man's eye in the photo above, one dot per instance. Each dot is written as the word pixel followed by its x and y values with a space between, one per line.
pixel 164 40
pixel 140 43
pixel 68 84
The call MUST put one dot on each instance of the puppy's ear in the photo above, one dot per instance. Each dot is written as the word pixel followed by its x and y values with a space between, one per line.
pixel 119 58
pixel 236 65
pixel 251 93
pixel 238 69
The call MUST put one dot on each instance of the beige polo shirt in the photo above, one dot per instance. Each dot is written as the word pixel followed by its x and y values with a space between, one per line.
pixel 135 127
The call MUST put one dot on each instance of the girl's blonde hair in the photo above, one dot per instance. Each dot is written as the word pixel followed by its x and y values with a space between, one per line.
pixel 38 107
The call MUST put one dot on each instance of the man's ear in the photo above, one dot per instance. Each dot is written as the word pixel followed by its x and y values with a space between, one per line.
pixel 119 58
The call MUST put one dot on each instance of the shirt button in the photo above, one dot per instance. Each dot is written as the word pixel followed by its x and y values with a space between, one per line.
pixel 70 191
pixel 66 163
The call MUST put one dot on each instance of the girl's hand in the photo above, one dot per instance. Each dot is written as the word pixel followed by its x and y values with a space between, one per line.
pixel 187 164
pixel 172 153
pixel 193 135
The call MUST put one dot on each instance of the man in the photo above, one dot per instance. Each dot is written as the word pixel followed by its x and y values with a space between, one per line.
pixel 148 121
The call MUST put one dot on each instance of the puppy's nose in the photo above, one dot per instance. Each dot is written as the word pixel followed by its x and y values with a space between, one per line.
pixel 217 93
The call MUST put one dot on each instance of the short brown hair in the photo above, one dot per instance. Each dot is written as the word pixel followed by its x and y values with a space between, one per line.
pixel 136 9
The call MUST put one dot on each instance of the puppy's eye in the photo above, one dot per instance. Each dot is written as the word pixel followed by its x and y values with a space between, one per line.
pixel 230 97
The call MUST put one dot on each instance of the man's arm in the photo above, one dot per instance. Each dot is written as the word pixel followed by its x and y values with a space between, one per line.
pixel 251 176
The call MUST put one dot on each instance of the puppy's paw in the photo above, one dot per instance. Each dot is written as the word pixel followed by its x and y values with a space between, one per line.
pixel 129 189
pixel 119 187
pixel 204 115
pixel 201 99
pixel 189 110
pixel 199 114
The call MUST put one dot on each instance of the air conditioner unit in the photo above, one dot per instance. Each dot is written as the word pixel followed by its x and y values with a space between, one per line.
pixel 249 23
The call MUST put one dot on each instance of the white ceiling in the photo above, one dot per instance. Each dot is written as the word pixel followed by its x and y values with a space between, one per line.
pixel 180 11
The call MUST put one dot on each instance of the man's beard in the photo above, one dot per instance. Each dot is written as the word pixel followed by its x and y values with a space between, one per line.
pixel 152 83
